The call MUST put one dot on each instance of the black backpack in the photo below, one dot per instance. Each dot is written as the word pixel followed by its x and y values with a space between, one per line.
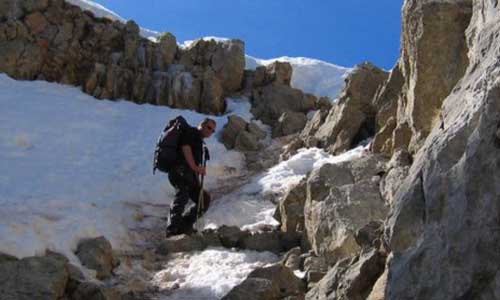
pixel 167 150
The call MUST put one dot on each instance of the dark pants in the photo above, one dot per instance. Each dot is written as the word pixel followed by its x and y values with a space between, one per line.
pixel 187 187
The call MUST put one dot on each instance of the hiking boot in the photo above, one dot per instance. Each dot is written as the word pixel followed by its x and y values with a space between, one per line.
pixel 173 231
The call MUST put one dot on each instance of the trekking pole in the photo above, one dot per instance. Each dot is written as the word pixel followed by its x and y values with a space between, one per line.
pixel 200 197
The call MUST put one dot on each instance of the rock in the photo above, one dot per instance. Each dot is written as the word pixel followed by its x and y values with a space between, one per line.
pixel 211 94
pixel 231 236
pixel 245 141
pixel 271 101
pixel 275 282
pixel 350 278
pixel 429 77
pixel 289 123
pixel 182 243
pixel 89 291
pixel 386 104
pixel 235 124
pixel 291 208
pixel 315 268
pixel 168 48
pixel 352 118
pixel 367 235
pixel 97 254
pixel 292 259
pixel 4 257
pixel 36 22
pixel 279 72
pixel 29 278
pixel 341 199
pixel 240 135
pixel 262 241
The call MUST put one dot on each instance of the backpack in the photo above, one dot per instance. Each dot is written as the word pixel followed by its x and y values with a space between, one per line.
pixel 166 152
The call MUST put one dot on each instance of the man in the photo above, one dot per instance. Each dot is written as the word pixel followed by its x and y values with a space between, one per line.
pixel 184 177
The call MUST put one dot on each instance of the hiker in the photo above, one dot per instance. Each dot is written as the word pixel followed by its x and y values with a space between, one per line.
pixel 184 177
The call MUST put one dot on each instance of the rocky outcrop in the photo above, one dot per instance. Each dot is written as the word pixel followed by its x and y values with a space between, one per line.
pixel 424 77
pixel 341 199
pixel 445 217
pixel 43 277
pixel 240 135
pixel 274 102
pixel 56 41
pixel 352 118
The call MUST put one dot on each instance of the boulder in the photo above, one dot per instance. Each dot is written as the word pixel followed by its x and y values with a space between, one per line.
pixel 341 199
pixel 271 101
pixel 350 279
pixel 352 118
pixel 97 254
pixel 182 243
pixel 291 208
pixel 292 259
pixel 270 283
pixel 241 135
pixel 279 72
pixel 289 123
pixel 43 278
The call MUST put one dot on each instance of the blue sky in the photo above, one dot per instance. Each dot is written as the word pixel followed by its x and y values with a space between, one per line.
pixel 341 32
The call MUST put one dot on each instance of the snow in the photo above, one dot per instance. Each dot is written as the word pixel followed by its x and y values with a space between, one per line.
pixel 310 75
pixel 210 274
pixel 188 43
pixel 73 164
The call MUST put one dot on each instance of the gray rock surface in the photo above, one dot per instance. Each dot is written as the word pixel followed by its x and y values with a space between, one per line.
pixel 270 283
pixel 43 278
pixel 341 199
pixel 443 228
pixel 97 254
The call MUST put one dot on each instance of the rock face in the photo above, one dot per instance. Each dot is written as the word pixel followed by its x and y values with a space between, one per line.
pixel 42 278
pixel 424 75
pixel 341 199
pixel 56 41
pixel 443 231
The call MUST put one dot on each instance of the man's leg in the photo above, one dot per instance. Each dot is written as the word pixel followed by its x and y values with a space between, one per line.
pixel 194 194
pixel 177 225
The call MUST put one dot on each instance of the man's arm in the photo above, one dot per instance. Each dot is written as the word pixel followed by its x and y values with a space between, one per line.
pixel 188 155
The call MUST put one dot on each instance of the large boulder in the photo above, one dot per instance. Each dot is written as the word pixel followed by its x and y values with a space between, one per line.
pixel 352 118
pixel 97 254
pixel 269 283
pixel 271 101
pixel 443 230
pixel 350 279
pixel 43 278
pixel 291 208
pixel 240 135
pixel 341 199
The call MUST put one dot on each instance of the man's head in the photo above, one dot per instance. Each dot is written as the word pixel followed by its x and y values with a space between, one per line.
pixel 207 127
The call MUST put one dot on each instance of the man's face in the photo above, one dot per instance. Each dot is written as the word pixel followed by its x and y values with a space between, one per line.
pixel 208 129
